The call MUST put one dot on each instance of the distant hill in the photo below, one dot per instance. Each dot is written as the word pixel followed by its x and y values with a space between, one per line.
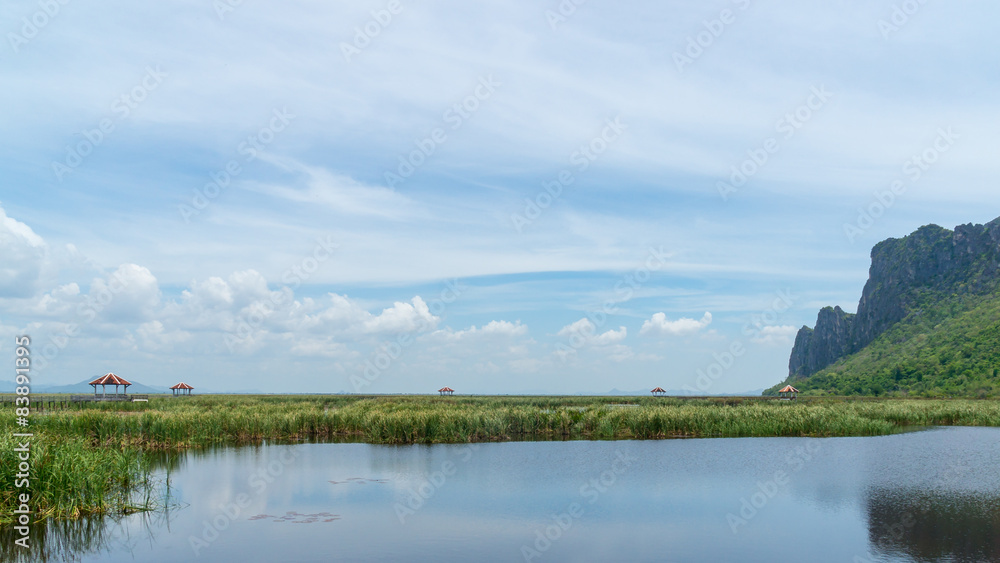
pixel 928 322
pixel 82 388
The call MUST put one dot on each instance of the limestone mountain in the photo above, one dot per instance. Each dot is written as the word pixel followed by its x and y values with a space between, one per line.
pixel 927 322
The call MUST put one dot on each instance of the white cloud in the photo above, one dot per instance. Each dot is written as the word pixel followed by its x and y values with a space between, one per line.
pixel 501 329
pixel 323 347
pixel 212 292
pixel 776 335
pixel 584 332
pixel 246 286
pixel 620 353
pixel 154 336
pixel 339 192
pixel 130 294
pixel 403 317
pixel 659 325
pixel 609 337
pixel 24 256
pixel 58 302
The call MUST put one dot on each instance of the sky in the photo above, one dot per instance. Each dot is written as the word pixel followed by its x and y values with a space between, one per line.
pixel 501 197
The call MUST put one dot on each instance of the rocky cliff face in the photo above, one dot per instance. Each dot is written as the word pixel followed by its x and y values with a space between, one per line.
pixel 931 259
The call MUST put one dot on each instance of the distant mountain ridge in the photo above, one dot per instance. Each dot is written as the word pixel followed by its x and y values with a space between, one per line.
pixel 932 274
pixel 83 388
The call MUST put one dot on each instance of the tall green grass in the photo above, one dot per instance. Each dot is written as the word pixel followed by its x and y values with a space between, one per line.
pixel 69 478
pixel 197 421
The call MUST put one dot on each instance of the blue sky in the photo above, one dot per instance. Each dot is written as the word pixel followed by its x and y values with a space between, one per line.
pixel 501 197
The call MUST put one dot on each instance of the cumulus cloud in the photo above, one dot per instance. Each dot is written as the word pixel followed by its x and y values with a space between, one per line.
pixel 775 335
pixel 584 332
pixel 154 336
pixel 212 292
pixel 58 302
pixel 660 325
pixel 130 294
pixel 403 317
pixel 498 329
pixel 24 255
pixel 247 286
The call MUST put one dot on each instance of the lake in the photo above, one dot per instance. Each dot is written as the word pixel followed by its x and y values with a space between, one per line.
pixel 931 495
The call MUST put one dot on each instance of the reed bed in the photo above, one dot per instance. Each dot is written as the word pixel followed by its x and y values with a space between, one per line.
pixel 198 421
pixel 69 478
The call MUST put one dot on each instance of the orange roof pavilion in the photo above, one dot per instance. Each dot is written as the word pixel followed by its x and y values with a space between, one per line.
pixel 787 392
pixel 109 379
pixel 446 391
pixel 659 391
pixel 181 387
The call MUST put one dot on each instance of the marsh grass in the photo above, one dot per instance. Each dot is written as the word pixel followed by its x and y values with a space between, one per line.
pixel 205 420
pixel 69 478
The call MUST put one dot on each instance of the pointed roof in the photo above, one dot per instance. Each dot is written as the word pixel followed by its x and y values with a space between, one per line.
pixel 788 389
pixel 109 379
pixel 446 389
pixel 182 385
pixel 658 390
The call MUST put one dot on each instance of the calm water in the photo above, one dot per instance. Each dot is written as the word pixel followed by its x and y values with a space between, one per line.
pixel 923 496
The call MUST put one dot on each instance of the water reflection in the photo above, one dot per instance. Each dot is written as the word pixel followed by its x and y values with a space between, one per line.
pixel 74 540
pixel 927 496
pixel 934 526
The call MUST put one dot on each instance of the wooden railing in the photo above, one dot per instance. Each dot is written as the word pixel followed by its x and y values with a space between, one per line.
pixel 109 397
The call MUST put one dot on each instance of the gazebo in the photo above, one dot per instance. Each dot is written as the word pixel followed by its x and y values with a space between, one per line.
pixel 658 392
pixel 788 392
pixel 109 379
pixel 181 387
pixel 446 391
